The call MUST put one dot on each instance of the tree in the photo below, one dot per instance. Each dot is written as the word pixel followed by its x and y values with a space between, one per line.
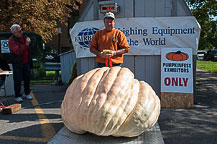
pixel 38 16
pixel 205 11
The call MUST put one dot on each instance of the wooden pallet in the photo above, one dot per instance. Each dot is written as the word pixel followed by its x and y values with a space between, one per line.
pixel 11 109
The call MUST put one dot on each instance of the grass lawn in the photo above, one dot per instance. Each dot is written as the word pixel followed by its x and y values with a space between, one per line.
pixel 209 66
pixel 49 78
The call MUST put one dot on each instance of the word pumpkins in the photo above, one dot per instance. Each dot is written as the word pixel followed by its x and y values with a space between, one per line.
pixel 109 101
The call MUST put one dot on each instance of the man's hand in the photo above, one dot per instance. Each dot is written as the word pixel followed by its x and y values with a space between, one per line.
pixel 28 40
pixel 105 55
pixel 114 53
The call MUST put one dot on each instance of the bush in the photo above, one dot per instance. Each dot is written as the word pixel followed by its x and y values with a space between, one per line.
pixel 37 71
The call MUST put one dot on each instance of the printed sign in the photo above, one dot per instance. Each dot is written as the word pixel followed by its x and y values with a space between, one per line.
pixel 4 46
pixel 84 37
pixel 176 70
pixel 145 35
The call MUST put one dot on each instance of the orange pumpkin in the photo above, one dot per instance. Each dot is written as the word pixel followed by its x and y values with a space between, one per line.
pixel 177 56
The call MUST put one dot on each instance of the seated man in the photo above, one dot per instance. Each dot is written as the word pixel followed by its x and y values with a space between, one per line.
pixel 4 67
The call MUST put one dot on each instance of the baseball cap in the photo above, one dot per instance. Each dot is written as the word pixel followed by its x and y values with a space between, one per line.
pixel 109 15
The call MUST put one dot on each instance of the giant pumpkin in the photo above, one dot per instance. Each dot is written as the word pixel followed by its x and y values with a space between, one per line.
pixel 109 101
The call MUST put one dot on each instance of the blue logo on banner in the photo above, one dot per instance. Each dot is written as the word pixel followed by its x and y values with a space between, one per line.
pixel 84 37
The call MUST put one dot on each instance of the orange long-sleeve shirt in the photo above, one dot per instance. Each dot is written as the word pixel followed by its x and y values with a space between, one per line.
pixel 113 40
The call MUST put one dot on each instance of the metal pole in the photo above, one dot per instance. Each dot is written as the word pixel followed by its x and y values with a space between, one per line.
pixel 59 34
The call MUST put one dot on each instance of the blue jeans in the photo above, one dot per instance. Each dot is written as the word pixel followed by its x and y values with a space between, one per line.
pixel 21 73
pixel 100 65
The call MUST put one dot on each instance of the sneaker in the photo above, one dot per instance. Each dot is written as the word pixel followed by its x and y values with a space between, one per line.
pixel 29 97
pixel 18 99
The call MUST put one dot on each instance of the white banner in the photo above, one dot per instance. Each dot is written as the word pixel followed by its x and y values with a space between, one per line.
pixel 4 46
pixel 176 70
pixel 146 35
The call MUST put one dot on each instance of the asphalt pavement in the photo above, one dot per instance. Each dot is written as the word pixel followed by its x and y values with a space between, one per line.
pixel 34 125
pixel 197 125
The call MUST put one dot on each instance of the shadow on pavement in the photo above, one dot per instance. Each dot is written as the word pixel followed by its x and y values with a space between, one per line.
pixel 26 117
pixel 197 125
pixel 29 132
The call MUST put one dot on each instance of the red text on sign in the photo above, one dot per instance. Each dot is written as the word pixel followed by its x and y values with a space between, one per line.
pixel 175 81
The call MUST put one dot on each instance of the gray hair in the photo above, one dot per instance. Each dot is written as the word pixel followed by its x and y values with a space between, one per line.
pixel 14 27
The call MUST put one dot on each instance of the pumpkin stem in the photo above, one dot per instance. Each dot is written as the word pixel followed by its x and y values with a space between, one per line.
pixel 178 52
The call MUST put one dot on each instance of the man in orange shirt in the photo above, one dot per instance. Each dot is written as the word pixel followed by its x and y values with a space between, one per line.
pixel 109 44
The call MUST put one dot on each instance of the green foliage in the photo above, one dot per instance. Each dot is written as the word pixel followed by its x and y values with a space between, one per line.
pixel 38 16
pixel 38 74
pixel 205 11
pixel 41 81
pixel 207 66
pixel 37 71
pixel 50 75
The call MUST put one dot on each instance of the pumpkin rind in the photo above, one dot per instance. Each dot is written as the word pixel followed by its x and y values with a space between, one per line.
pixel 185 56
pixel 169 55
pixel 177 57
pixel 109 101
